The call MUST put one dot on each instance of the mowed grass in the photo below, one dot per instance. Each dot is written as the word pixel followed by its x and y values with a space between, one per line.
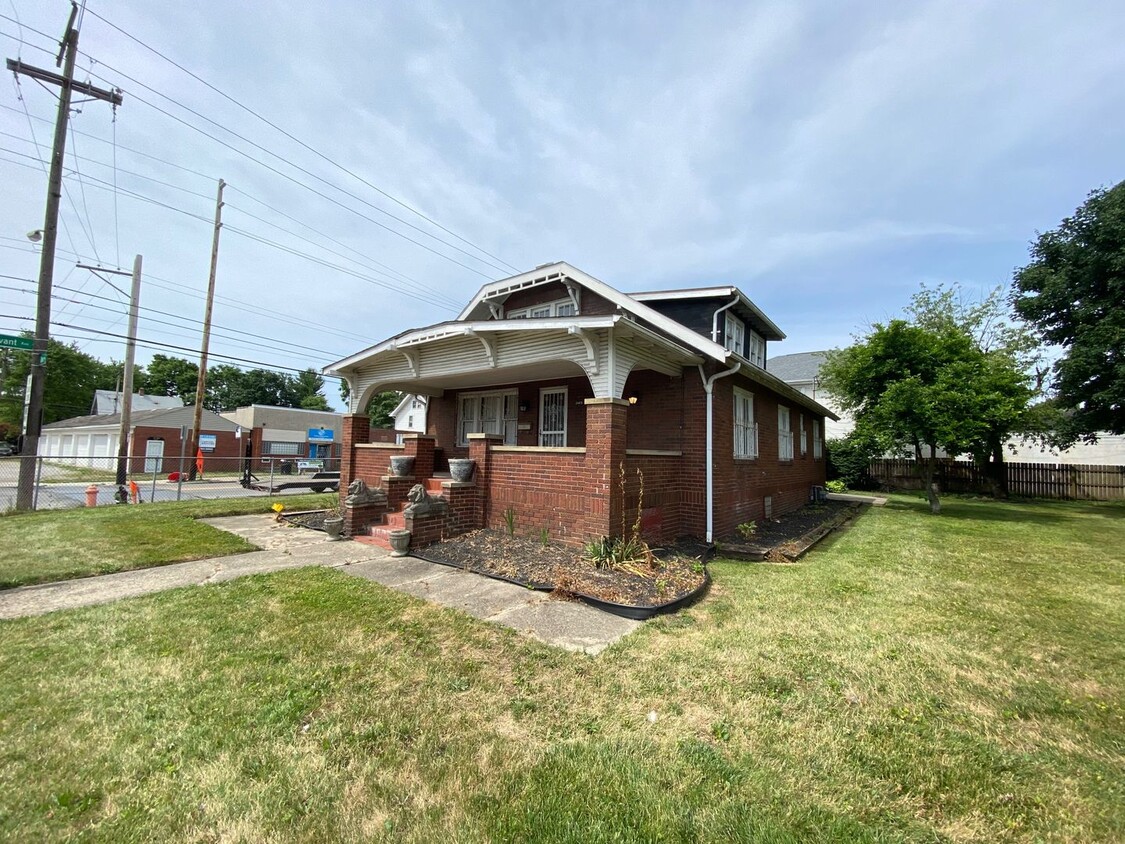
pixel 956 678
pixel 58 544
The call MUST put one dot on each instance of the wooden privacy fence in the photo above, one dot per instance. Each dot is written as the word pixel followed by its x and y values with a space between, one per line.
pixel 1034 480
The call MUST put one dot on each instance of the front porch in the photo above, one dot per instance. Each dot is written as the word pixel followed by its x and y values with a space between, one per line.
pixel 574 493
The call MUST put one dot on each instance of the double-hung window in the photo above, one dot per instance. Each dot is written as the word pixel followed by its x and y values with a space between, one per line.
pixel 757 354
pixel 487 413
pixel 804 443
pixel 559 308
pixel 734 335
pixel 745 428
pixel 817 451
pixel 784 435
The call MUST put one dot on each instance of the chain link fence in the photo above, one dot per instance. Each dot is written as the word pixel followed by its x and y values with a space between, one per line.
pixel 62 482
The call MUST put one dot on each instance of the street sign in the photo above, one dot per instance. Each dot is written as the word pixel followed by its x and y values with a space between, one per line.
pixel 7 341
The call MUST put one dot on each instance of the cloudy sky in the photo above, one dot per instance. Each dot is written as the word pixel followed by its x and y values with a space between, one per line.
pixel 828 158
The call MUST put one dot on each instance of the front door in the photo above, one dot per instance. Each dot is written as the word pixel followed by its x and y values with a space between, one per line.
pixel 552 417
pixel 154 454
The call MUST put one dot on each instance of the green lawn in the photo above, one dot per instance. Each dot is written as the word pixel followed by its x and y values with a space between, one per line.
pixel 58 544
pixel 957 678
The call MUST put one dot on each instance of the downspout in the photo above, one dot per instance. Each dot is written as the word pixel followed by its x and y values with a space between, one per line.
pixel 708 388
pixel 715 319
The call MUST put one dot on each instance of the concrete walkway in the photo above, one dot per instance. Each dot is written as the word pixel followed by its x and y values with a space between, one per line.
pixel 573 626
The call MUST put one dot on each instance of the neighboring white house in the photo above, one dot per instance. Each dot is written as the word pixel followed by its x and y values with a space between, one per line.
pixel 410 416
pixel 802 371
pixel 108 401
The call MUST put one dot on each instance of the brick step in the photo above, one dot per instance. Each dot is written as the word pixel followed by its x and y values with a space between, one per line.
pixel 433 485
pixel 394 521
pixel 378 541
pixel 380 535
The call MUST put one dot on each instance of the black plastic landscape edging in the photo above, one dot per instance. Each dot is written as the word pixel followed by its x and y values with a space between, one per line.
pixel 634 613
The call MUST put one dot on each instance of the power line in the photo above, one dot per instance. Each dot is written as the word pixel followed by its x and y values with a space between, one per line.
pixel 304 145
pixel 134 96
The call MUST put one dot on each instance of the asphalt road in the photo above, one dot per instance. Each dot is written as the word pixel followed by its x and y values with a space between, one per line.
pixel 63 495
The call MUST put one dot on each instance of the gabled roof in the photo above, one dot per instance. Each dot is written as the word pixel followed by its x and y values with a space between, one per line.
pixel 109 401
pixel 172 417
pixel 761 323
pixel 796 368
pixel 562 271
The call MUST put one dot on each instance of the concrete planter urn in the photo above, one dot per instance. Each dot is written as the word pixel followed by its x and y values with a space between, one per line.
pixel 333 526
pixel 461 469
pixel 400 542
pixel 402 466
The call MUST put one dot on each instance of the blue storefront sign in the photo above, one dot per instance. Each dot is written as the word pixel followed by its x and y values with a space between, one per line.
pixel 206 442
pixel 321 435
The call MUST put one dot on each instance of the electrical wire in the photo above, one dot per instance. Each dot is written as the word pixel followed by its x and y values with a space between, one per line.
pixel 301 143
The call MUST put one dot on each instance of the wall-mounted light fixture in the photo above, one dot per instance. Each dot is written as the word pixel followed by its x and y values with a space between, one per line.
pixel 633 399
pixel 525 406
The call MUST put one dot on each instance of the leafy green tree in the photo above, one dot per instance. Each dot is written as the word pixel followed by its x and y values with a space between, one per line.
pixel 225 389
pixel 169 376
pixel 380 407
pixel 72 377
pixel 1073 291
pixel 917 389
pixel 308 389
pixel 1011 354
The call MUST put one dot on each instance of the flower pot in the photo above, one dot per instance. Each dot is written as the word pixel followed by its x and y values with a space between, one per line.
pixel 333 526
pixel 400 542
pixel 402 466
pixel 461 468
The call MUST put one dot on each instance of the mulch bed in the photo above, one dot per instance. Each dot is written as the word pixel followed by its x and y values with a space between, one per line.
pixel 675 574
pixel 311 519
pixel 782 538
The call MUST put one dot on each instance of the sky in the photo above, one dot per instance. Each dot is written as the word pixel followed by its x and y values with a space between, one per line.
pixel 827 158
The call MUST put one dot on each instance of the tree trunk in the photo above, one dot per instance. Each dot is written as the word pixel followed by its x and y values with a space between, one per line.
pixel 926 468
pixel 999 470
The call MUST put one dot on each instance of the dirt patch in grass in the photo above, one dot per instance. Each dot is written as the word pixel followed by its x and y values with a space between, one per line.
pixel 675 571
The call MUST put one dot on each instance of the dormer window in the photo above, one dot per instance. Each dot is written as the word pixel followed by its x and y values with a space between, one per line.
pixel 734 337
pixel 561 308
pixel 757 354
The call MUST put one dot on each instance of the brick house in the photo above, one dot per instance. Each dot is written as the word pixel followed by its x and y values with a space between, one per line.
pixel 554 382
pixel 154 443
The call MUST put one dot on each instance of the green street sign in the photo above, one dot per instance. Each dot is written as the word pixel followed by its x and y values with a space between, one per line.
pixel 7 341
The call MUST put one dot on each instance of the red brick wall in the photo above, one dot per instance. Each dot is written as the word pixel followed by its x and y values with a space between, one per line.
pixel 656 421
pixel 660 503
pixel 544 490
pixel 225 457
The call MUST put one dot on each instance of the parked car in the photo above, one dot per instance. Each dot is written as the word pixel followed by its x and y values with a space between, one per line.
pixel 6 450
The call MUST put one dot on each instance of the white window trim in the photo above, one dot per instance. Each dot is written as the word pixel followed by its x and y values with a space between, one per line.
pixel 757 352
pixel 526 313
pixel 543 393
pixel 734 334
pixel 784 434
pixel 817 444
pixel 514 394
pixel 748 436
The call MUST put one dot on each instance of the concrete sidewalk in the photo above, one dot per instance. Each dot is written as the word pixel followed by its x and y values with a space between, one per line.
pixel 573 626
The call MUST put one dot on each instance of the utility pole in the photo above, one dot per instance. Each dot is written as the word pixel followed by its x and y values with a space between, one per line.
pixel 130 357
pixel 201 381
pixel 33 425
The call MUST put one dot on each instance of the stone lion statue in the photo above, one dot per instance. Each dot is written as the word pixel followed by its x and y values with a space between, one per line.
pixel 359 493
pixel 421 502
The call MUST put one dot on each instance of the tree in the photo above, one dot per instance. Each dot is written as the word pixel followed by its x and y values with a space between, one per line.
pixel 1073 292
pixel 307 388
pixel 1012 354
pixel 169 376
pixel 72 377
pixel 380 407
pixel 923 388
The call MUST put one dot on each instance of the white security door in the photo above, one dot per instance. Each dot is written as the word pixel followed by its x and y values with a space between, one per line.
pixel 154 454
pixel 552 417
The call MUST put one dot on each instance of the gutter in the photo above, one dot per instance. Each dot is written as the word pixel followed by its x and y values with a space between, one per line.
pixel 708 388
pixel 715 324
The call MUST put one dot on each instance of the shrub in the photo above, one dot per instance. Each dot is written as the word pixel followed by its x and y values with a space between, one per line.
pixel 849 459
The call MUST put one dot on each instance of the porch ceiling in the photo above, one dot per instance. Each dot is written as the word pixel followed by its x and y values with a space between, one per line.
pixel 438 383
